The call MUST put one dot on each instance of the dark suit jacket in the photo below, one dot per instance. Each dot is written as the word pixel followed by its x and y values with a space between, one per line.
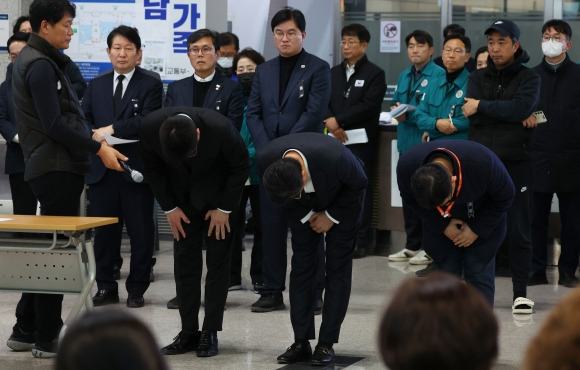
pixel 224 96
pixel 214 178
pixel 14 162
pixel 356 103
pixel 305 102
pixel 337 175
pixel 142 96
pixel 486 195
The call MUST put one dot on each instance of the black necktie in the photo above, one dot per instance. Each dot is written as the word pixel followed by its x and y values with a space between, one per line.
pixel 118 92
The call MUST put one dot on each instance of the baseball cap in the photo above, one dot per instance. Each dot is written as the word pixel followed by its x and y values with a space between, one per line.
pixel 505 27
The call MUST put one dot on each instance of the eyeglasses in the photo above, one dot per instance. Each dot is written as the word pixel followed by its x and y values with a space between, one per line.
pixel 556 38
pixel 350 43
pixel 449 51
pixel 290 35
pixel 204 50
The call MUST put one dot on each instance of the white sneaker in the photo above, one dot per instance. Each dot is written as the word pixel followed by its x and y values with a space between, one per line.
pixel 402 255
pixel 523 306
pixel 421 258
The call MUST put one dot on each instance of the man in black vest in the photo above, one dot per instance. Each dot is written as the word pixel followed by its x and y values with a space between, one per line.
pixel 56 146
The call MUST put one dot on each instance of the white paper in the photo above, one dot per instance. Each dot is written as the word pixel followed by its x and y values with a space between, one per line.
pixel 402 109
pixel 111 140
pixel 307 217
pixel 356 136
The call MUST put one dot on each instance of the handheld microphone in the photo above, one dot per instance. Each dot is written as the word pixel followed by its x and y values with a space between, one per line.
pixel 135 175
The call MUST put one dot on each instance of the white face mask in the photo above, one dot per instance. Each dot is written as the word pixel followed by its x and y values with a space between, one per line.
pixel 225 62
pixel 552 48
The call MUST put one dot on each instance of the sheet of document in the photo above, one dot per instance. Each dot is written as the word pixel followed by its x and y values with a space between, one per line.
pixel 356 136
pixel 111 140
pixel 402 109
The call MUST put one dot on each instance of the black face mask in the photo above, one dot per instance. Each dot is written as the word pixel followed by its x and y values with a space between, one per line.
pixel 246 80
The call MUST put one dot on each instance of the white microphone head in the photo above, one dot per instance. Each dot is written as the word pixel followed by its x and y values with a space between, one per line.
pixel 136 176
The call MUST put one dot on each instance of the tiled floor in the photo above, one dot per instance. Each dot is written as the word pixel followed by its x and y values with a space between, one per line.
pixel 254 340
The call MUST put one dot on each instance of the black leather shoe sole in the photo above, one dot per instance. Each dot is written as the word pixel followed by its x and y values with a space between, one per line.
pixel 182 345
pixel 322 357
pixel 294 354
pixel 207 352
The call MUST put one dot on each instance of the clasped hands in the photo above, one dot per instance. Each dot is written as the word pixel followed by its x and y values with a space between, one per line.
pixel 459 232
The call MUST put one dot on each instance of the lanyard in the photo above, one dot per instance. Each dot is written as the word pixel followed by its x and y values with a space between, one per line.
pixel 458 184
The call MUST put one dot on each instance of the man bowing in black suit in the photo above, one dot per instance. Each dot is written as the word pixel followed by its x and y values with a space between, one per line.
pixel 197 165
pixel 322 186
pixel 114 104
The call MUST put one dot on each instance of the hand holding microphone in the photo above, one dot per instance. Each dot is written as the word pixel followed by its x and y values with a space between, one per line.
pixel 135 175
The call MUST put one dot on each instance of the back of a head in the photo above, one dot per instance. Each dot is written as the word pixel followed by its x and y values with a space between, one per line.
pixel 283 180
pixel 431 185
pixel 440 323
pixel 557 343
pixel 178 137
pixel 109 339
pixel 51 11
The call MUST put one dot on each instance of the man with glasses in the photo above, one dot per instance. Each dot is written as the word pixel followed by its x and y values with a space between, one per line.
pixel 207 87
pixel 440 116
pixel 499 100
pixel 290 94
pixel 462 192
pixel 358 90
pixel 555 152
pixel 321 184
pixel 411 89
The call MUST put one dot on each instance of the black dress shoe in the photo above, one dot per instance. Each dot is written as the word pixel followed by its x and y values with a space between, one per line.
pixel 322 356
pixel 296 352
pixel 173 303
pixel 208 344
pixel 105 296
pixel 185 341
pixel 568 280
pixel 135 300
pixel 359 253
pixel 538 278
pixel 269 302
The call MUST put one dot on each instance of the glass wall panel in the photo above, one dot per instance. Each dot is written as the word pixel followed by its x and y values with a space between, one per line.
pixel 571 10
pixel 395 63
